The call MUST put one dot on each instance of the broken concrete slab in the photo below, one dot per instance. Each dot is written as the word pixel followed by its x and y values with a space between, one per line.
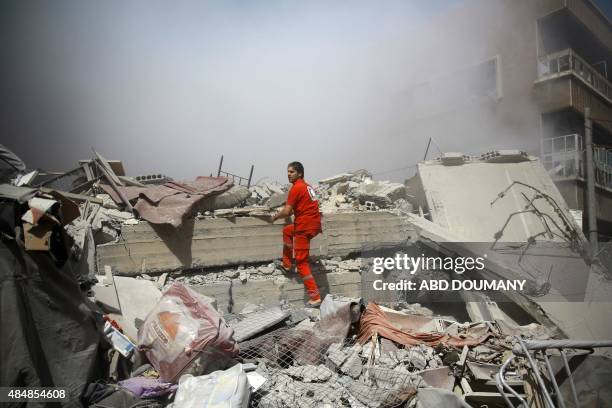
pixel 106 297
pixel 459 198
pixel 352 366
pixel 310 373
pixel 261 192
pixel 277 200
pixel 336 356
pixel 383 194
pixel 444 240
pixel 217 242
pixel 199 243
pixel 563 318
pixel 275 187
pixel 338 178
pixel 353 232
pixel 267 194
pixel 489 209
pixel 268 290
pixel 259 292
pixel 234 295
pixel 137 297
pixel 357 175
pixel 219 291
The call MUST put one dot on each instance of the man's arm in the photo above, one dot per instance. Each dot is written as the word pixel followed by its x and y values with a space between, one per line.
pixel 284 213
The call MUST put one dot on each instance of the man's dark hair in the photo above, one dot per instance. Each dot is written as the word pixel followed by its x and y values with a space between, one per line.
pixel 297 166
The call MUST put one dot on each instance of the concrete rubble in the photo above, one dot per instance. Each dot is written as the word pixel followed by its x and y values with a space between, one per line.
pixel 270 194
pixel 362 348
pixel 357 191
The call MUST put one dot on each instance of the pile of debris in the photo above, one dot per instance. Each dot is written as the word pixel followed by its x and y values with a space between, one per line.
pixel 346 354
pixel 352 191
pixel 269 194
pixel 357 191
pixel 231 327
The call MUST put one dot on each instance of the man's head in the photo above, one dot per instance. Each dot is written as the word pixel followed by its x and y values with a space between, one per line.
pixel 295 170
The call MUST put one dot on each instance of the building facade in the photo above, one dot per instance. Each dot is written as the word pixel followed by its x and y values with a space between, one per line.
pixel 519 74
pixel 574 48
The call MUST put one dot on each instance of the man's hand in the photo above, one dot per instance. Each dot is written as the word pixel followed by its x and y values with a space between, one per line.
pixel 284 213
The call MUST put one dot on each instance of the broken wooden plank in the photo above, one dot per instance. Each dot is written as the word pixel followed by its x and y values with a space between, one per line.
pixel 106 167
pixel 115 186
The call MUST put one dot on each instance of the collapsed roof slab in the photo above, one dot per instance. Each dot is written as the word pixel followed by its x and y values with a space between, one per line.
pixel 212 242
pixel 462 198
pixel 465 206
pixel 586 319
pixel 441 239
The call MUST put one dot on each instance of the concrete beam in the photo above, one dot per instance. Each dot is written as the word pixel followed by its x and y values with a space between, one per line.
pixel 213 242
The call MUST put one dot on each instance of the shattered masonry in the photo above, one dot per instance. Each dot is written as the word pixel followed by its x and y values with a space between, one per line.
pixel 174 290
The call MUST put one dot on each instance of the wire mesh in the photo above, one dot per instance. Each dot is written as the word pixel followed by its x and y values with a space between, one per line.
pixel 304 368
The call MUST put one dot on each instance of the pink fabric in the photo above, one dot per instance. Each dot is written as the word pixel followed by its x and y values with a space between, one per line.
pixel 172 202
pixel 374 320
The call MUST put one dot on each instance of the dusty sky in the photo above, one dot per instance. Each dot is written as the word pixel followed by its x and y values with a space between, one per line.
pixel 168 86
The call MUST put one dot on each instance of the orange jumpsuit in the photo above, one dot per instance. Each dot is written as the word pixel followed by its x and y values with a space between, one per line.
pixel 297 236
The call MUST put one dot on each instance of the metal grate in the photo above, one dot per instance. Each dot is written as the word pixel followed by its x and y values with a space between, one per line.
pixel 307 369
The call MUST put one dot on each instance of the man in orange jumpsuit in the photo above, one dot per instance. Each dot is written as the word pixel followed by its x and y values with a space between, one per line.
pixel 302 202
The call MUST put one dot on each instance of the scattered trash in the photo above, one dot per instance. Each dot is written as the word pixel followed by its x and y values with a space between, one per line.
pixel 119 341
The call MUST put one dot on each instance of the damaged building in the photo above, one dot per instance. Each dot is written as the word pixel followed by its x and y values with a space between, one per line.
pixel 530 70
pixel 140 292
pixel 482 280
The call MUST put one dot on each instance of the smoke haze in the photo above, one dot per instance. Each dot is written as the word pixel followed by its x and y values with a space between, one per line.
pixel 167 87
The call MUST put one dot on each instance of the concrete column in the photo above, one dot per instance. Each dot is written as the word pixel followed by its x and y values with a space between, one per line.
pixel 590 179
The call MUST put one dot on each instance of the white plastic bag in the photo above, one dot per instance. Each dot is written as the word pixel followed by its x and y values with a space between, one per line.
pixel 220 389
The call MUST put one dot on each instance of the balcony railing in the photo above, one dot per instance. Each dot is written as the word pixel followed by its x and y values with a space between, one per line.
pixel 603 166
pixel 568 62
pixel 563 157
